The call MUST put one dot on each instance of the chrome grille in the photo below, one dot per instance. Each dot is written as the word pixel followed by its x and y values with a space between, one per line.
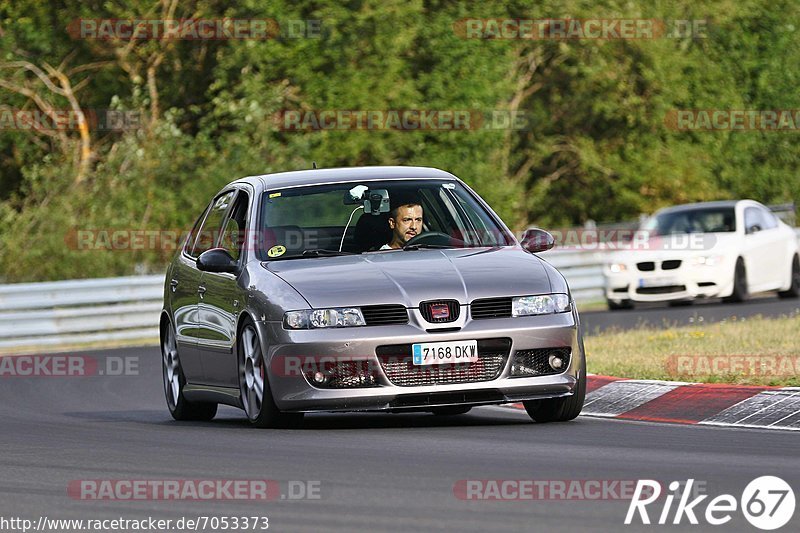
pixel 383 315
pixel 491 308
pixel 397 363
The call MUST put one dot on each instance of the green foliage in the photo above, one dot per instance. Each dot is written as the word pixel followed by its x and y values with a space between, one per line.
pixel 597 144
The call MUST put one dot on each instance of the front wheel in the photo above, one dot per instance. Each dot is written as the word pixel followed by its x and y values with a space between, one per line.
pixel 794 288
pixel 616 306
pixel 256 396
pixel 740 292
pixel 174 381
pixel 559 409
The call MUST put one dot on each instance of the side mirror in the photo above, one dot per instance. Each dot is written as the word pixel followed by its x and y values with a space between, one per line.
pixel 537 240
pixel 755 228
pixel 217 260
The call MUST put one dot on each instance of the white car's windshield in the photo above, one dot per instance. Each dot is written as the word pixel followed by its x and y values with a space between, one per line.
pixel 371 216
pixel 697 220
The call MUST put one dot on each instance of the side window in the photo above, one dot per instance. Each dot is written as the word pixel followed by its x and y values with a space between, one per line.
pixel 192 237
pixel 752 217
pixel 235 227
pixel 207 236
pixel 769 219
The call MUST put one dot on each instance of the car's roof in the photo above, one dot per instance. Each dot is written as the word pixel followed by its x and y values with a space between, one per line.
pixel 321 176
pixel 701 205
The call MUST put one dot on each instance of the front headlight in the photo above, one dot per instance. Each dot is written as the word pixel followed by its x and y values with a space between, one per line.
pixel 707 260
pixel 616 268
pixel 544 304
pixel 339 317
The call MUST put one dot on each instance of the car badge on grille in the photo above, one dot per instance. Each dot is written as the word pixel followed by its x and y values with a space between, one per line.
pixel 440 311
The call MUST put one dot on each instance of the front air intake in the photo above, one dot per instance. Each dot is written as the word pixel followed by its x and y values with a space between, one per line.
pixel 540 362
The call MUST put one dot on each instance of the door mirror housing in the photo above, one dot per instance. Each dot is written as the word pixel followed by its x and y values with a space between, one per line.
pixel 537 240
pixel 755 228
pixel 217 260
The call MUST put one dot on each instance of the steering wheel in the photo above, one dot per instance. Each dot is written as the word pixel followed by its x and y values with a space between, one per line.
pixel 434 238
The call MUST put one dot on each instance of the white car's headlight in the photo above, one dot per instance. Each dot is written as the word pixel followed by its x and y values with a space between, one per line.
pixel 707 260
pixel 339 317
pixel 544 304
pixel 616 268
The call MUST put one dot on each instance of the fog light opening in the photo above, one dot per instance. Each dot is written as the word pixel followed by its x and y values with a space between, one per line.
pixel 556 362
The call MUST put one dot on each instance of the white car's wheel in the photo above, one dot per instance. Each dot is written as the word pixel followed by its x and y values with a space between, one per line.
pixel 740 292
pixel 622 304
pixel 794 288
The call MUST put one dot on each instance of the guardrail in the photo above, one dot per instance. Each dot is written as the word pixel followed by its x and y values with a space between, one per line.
pixel 79 311
pixel 60 313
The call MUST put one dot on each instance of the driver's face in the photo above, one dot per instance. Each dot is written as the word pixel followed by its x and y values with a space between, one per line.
pixel 407 224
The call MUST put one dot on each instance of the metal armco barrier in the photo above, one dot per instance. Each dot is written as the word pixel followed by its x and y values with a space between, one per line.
pixel 79 311
pixel 115 309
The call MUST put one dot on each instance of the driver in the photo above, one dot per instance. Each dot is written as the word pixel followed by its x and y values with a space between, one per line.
pixel 406 223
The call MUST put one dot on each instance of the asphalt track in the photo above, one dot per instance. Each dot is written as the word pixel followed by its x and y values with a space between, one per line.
pixel 664 316
pixel 376 471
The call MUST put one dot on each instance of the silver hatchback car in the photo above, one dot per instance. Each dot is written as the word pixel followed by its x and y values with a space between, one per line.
pixel 365 289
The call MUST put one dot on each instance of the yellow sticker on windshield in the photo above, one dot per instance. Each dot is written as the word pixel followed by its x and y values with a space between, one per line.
pixel 276 251
pixel 274 194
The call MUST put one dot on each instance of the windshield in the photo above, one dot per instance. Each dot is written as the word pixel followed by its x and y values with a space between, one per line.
pixel 398 215
pixel 702 220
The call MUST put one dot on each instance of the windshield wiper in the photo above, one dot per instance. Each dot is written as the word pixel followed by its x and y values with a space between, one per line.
pixel 322 252
pixel 426 246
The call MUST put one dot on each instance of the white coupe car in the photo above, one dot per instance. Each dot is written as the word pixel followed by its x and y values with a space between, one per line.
pixel 706 250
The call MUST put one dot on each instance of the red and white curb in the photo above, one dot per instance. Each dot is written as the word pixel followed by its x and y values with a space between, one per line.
pixel 707 404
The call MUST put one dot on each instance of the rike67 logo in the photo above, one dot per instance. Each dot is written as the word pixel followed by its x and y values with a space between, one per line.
pixel 767 502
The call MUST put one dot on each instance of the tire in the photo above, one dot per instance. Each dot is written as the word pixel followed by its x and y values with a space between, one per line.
pixel 174 381
pixel 794 289
pixel 559 409
pixel 740 292
pixel 623 304
pixel 256 396
pixel 451 410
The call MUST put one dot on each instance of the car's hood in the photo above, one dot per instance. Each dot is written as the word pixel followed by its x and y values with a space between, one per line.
pixel 676 247
pixel 410 277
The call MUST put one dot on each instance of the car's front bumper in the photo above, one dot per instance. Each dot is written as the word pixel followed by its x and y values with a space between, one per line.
pixel 684 283
pixel 294 393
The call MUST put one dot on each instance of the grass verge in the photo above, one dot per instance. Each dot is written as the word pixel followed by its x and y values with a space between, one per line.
pixel 752 351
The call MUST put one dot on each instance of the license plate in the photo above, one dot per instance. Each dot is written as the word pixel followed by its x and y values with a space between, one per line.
pixel 437 353
pixel 657 282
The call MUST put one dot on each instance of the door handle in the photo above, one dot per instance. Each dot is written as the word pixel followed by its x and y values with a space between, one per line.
pixel 201 290
pixel 173 284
